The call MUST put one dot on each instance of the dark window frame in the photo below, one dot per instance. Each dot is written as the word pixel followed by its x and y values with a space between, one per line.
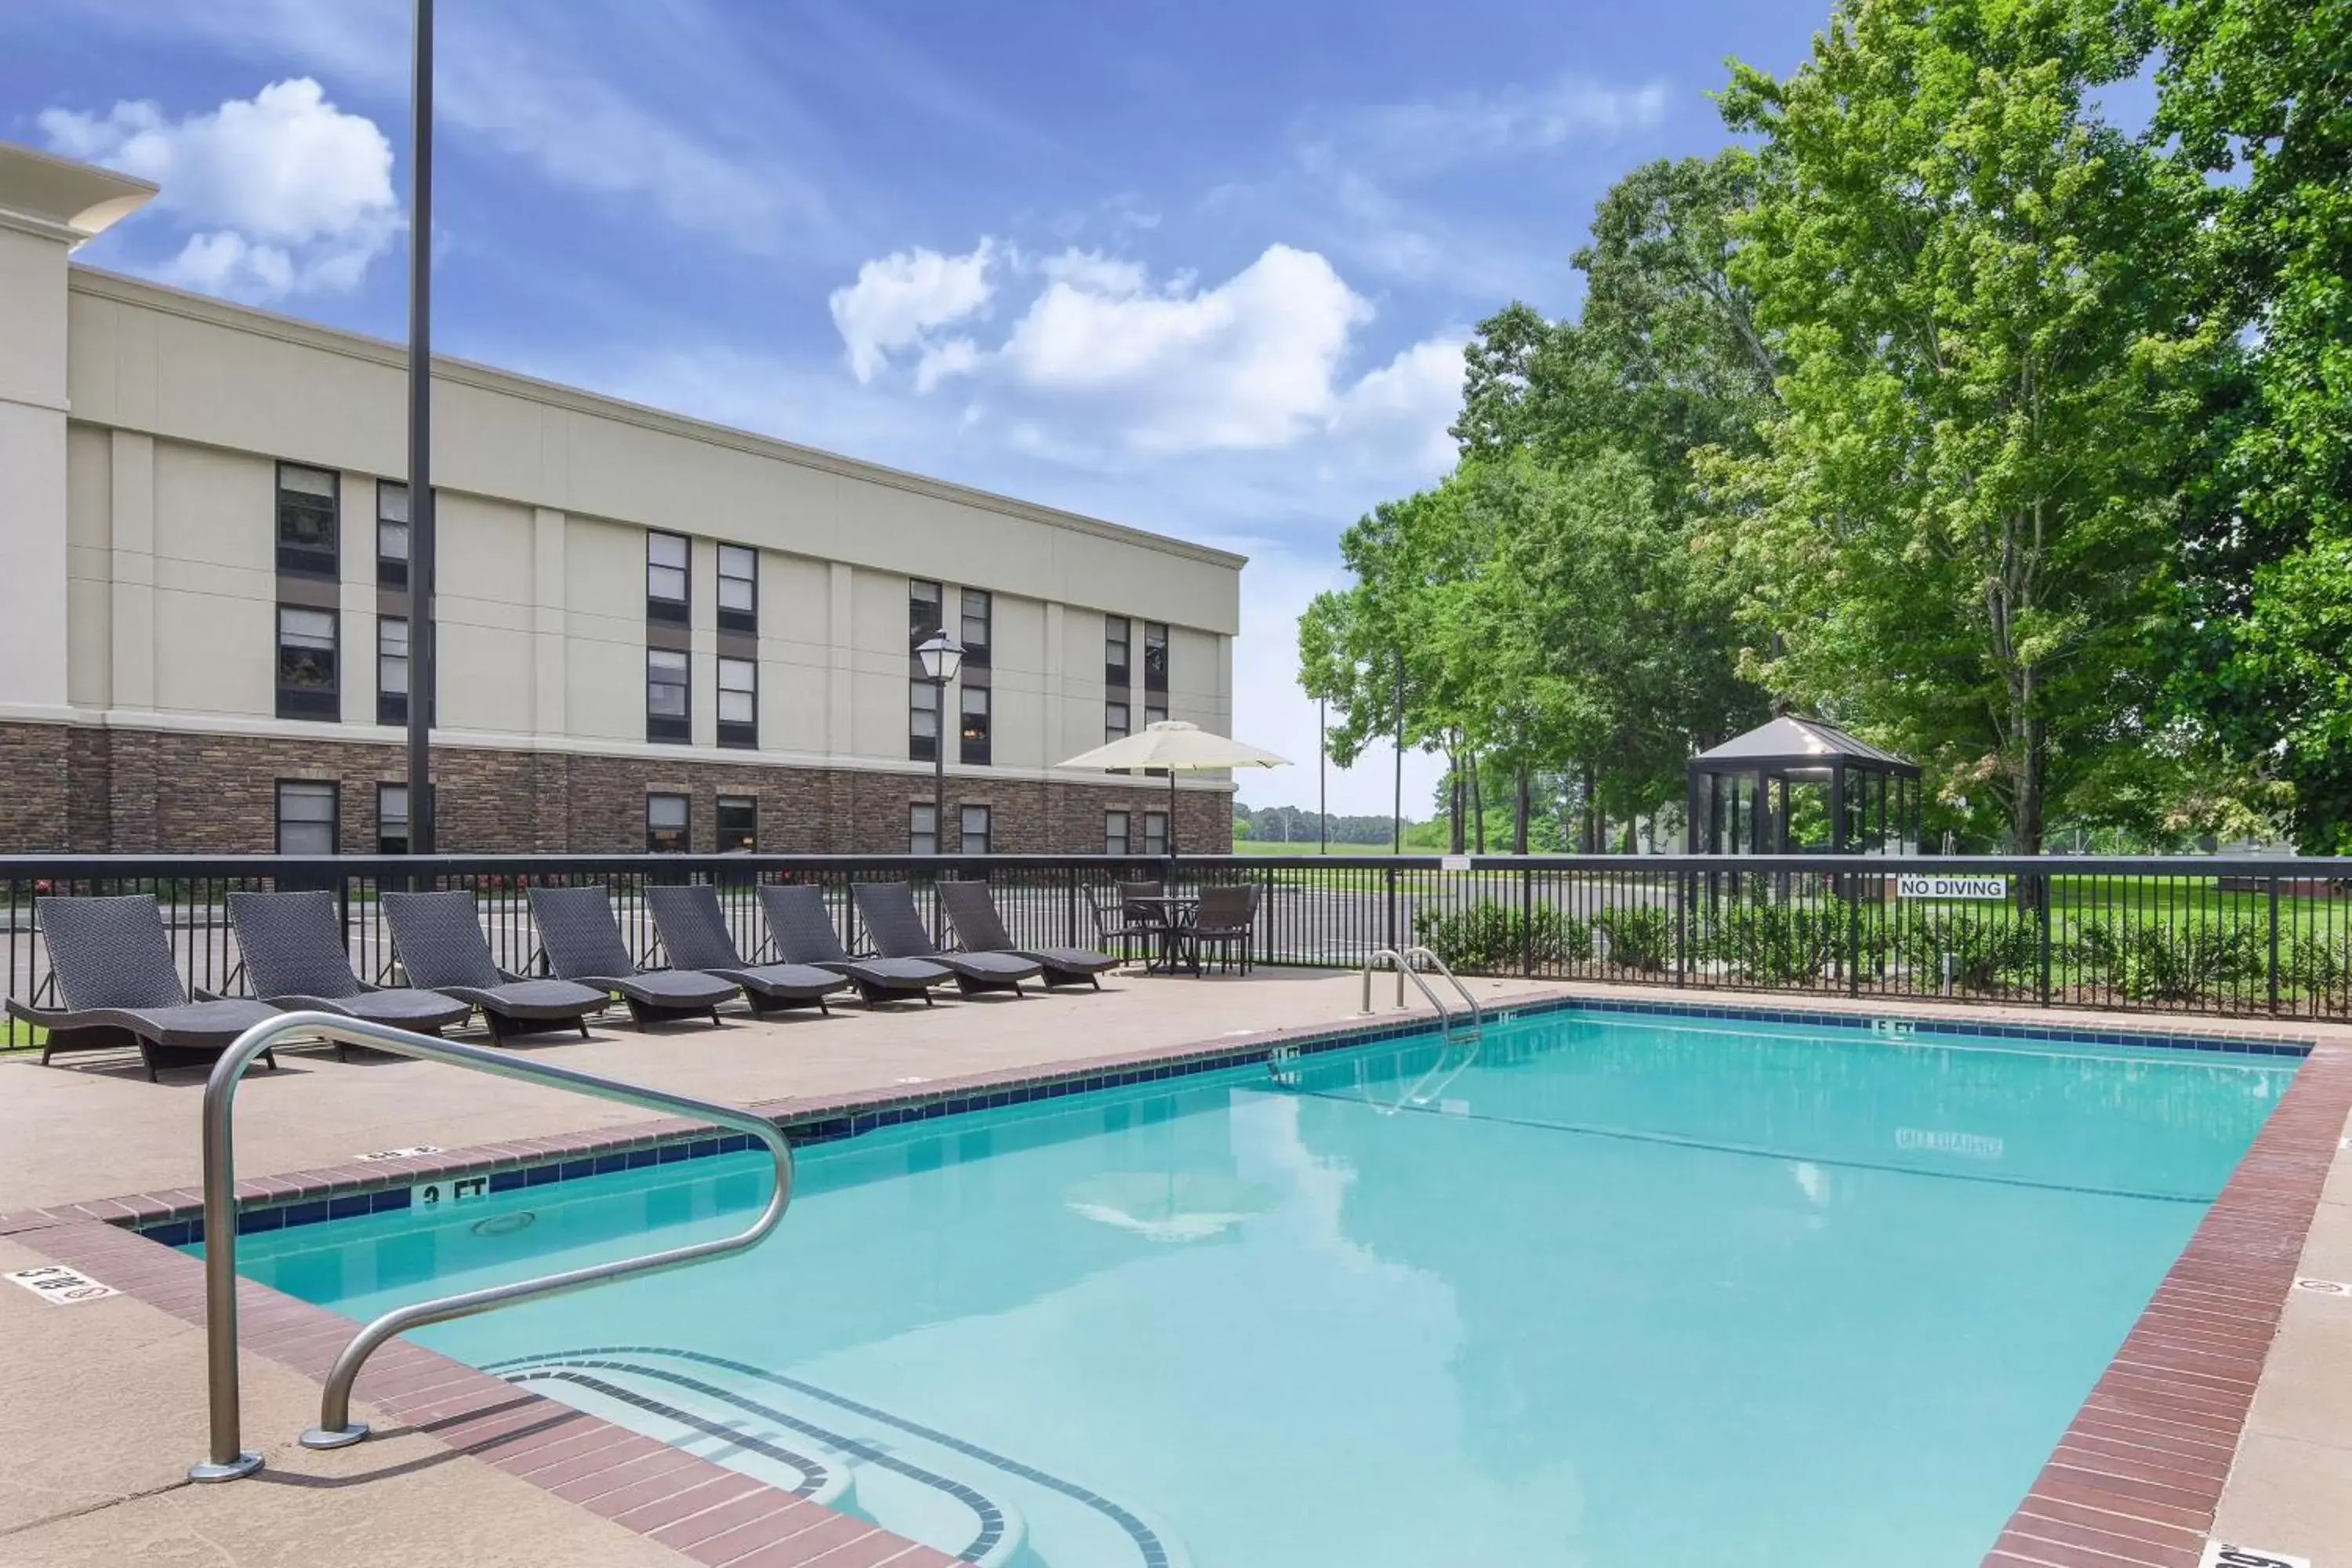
pixel 922 748
pixel 1119 674
pixel 304 560
pixel 301 700
pixel 1118 842
pixel 385 844
pixel 334 789
pixel 965 835
pixel 392 706
pixel 976 650
pixel 737 734
pixel 975 749
pixel 736 804
pixel 1155 668
pixel 663 727
pixel 1155 820
pixel 919 631
pixel 731 619
pixel 685 829
pixel 661 606
pixel 916 834
pixel 392 571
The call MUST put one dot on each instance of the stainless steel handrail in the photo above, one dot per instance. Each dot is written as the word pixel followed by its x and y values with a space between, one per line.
pixel 228 1459
pixel 1477 1014
pixel 1406 972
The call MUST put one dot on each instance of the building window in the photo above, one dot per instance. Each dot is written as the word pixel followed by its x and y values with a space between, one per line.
pixel 922 721
pixel 1155 833
pixel 1115 839
pixel 665 580
pixel 1155 657
pixel 305 816
pixel 1115 725
pixel 922 828
pixel 972 823
pixel 306 521
pixel 738 825
pixel 738 589
pixel 739 703
pixel 1117 674
pixel 668 716
pixel 923 620
pixel 1152 714
pixel 391 819
pixel 977 613
pixel 391 670
pixel 391 534
pixel 665 825
pixel 975 726
pixel 306 664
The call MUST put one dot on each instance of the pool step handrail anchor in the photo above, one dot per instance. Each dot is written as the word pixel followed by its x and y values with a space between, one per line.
pixel 228 1460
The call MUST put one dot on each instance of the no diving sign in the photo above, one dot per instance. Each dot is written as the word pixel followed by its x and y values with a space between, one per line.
pixel 2220 1554
pixel 60 1286
pixel 1915 885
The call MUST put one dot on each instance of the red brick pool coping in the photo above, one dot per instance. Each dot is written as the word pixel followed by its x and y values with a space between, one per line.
pixel 2133 1482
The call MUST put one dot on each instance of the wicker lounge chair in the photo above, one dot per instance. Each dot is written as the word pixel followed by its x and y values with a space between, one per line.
pixel 439 941
pixel 112 966
pixel 888 910
pixel 981 930
pixel 803 933
pixel 292 948
pixel 581 942
pixel 694 934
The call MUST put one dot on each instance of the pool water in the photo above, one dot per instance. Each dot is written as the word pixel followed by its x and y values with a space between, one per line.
pixel 1596 1289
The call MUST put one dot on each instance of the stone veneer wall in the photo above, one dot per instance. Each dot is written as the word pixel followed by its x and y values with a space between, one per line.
pixel 90 791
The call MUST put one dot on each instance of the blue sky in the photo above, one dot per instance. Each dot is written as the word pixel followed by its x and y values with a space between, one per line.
pixel 1205 269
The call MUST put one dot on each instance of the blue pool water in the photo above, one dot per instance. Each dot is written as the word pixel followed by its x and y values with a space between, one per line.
pixel 1602 1289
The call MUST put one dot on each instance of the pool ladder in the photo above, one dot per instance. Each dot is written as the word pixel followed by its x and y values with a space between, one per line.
pixel 1408 967
pixel 228 1459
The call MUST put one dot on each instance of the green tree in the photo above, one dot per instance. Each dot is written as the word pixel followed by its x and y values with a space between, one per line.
pixel 1958 532
pixel 2259 95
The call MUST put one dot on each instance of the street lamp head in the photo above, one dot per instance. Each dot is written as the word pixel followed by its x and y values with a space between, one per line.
pixel 941 657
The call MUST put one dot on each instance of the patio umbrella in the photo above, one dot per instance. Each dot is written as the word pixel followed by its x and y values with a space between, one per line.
pixel 1181 748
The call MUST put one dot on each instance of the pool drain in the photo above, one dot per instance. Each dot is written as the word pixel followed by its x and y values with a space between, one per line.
pixel 505 1223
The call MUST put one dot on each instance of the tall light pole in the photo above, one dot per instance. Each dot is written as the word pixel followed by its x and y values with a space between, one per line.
pixel 940 657
pixel 421 682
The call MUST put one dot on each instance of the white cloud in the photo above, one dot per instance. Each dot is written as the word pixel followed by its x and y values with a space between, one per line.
pixel 899 300
pixel 1422 136
pixel 1094 272
pixel 955 356
pixel 284 192
pixel 1249 362
pixel 1407 403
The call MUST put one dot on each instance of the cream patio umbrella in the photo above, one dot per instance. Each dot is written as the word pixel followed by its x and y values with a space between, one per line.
pixel 1181 748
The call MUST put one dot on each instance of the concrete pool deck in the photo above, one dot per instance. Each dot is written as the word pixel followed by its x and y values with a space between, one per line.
pixel 98 1473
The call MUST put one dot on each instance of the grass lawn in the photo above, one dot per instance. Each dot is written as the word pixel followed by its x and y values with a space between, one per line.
pixel 1304 847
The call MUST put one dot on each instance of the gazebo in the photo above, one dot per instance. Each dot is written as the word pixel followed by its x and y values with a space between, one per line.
pixel 1744 792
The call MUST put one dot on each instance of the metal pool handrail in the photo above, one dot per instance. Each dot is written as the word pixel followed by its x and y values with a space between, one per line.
pixel 228 1460
pixel 1405 971
pixel 1477 1014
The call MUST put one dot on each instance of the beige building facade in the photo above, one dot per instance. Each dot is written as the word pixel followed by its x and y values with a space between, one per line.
pixel 652 632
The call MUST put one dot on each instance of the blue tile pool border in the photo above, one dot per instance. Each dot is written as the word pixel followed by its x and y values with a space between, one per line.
pixel 347 1193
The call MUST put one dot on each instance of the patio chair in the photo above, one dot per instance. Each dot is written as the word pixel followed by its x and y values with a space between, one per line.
pixel 803 932
pixel 980 929
pixel 438 939
pixel 1225 918
pixel 581 942
pixel 888 910
pixel 694 934
pixel 110 964
pixel 1124 924
pixel 291 947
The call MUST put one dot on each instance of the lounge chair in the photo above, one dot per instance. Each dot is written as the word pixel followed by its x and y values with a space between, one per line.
pixel 292 948
pixel 980 929
pixel 694 934
pixel 438 939
pixel 803 932
pixel 112 966
pixel 582 943
pixel 1225 918
pixel 888 910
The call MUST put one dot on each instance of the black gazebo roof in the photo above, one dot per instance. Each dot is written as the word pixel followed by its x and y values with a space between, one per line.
pixel 1790 745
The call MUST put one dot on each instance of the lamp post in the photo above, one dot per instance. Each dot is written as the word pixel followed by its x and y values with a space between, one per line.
pixel 421 542
pixel 941 656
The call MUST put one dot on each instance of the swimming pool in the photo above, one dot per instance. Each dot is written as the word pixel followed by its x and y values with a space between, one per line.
pixel 1598 1287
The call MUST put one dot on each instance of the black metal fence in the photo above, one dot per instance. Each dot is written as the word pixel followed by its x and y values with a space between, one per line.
pixel 2189 934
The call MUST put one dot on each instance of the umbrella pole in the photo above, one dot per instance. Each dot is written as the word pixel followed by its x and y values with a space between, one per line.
pixel 1171 813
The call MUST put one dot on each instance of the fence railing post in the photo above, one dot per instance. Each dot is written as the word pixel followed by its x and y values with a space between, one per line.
pixel 2042 916
pixel 1389 942
pixel 1853 935
pixel 2274 890
pixel 1526 923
